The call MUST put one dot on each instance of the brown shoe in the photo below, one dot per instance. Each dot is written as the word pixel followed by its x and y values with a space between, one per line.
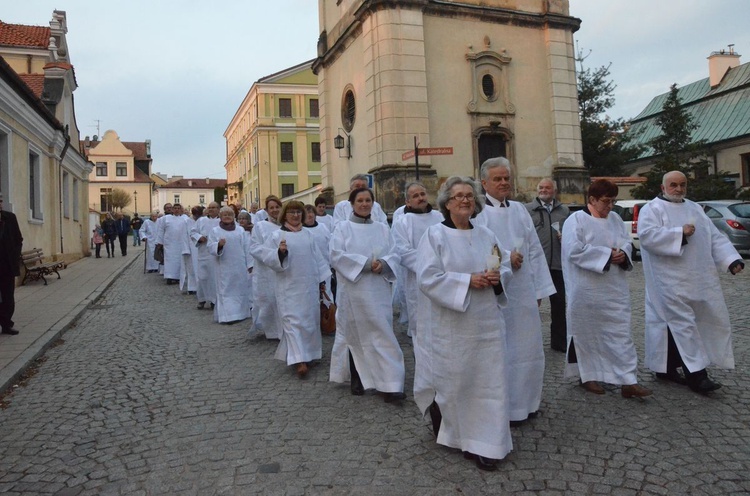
pixel 593 387
pixel 635 391
pixel 301 370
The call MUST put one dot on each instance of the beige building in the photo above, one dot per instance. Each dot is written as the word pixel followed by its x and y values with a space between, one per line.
pixel 43 176
pixel 187 192
pixel 119 165
pixel 481 77
pixel 273 142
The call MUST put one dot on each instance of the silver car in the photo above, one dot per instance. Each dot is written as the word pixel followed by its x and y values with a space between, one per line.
pixel 732 217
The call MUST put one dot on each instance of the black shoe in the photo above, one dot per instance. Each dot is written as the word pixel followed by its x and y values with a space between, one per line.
pixel 393 397
pixel 672 376
pixel 201 304
pixel 704 385
pixel 10 331
pixel 357 389
pixel 488 464
pixel 437 418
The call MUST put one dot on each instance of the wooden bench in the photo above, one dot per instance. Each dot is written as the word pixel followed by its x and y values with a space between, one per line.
pixel 37 268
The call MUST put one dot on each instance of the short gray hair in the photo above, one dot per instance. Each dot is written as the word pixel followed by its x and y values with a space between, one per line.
pixel 411 185
pixel 226 209
pixel 245 215
pixel 445 192
pixel 554 183
pixel 358 177
pixel 491 163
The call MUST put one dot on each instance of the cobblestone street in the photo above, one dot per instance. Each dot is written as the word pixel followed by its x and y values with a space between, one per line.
pixel 146 395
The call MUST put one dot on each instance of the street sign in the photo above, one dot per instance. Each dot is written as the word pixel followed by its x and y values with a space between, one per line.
pixel 440 150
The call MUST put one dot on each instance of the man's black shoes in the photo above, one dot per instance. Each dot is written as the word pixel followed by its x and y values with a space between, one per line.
pixel 10 331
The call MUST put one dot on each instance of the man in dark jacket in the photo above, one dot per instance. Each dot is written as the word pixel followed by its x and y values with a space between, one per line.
pixel 122 224
pixel 11 243
pixel 548 215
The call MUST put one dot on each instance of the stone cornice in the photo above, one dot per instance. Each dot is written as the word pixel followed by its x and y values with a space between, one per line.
pixel 439 8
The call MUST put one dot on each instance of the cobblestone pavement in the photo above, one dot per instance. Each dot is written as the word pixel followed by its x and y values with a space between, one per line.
pixel 148 396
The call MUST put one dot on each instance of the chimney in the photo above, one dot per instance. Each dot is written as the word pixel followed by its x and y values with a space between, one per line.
pixel 719 63
pixel 208 181
pixel 190 183
pixel 148 148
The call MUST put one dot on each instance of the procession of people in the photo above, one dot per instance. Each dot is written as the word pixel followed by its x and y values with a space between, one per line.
pixel 468 277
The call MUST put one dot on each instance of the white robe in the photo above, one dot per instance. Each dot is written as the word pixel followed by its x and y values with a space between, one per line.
pixel 343 210
pixel 232 264
pixel 189 282
pixel 265 314
pixel 598 312
pixel 249 240
pixel 205 262
pixel 461 363
pixel 514 227
pixel 683 290
pixel 297 300
pixel 407 230
pixel 325 220
pixel 399 297
pixel 364 316
pixel 170 234
pixel 148 234
pixel 322 236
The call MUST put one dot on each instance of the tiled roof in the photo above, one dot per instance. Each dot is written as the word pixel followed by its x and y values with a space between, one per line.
pixel 19 35
pixel 138 148
pixel 35 82
pixel 721 113
pixel 201 183
pixel 141 177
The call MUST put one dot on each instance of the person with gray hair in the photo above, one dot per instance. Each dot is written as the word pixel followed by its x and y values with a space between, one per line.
pixel 205 267
pixel 512 224
pixel 343 209
pixel 148 236
pixel 460 371
pixel 549 215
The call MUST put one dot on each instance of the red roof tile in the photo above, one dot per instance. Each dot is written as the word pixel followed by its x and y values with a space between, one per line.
pixel 35 82
pixel 200 183
pixel 61 65
pixel 24 36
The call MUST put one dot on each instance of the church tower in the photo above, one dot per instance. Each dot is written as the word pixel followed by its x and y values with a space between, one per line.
pixel 481 77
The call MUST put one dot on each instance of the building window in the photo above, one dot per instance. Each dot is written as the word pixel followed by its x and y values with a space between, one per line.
pixel 488 87
pixel 287 151
pixel 35 186
pixel 314 108
pixel 287 190
pixel 66 195
pixel 285 107
pixel 348 110
pixel 176 198
pixel 315 152
pixel 745 169
pixel 105 199
pixel 121 169
pixel 76 202
pixel 101 169
pixel 202 199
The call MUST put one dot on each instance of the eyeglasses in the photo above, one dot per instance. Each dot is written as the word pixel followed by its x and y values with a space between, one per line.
pixel 294 212
pixel 610 201
pixel 461 198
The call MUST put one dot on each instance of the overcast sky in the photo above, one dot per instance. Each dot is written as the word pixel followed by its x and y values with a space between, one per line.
pixel 175 71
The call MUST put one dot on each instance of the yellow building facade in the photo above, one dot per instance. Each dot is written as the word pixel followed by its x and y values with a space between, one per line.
pixel 273 140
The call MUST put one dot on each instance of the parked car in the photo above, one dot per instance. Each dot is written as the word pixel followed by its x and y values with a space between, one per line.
pixel 731 217
pixel 628 210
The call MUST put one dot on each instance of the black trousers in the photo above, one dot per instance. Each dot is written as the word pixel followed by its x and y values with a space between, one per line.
pixel 123 243
pixel 99 250
pixel 558 327
pixel 8 305
pixel 674 360
pixel 110 242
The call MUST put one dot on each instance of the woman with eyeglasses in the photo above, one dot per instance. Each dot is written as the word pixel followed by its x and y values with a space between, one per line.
pixel 365 351
pixel 460 363
pixel 596 256
pixel 265 316
pixel 300 270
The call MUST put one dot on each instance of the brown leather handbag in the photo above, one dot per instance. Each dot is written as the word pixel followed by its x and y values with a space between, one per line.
pixel 327 314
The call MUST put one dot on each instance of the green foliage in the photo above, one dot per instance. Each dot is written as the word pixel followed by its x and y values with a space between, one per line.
pixel 219 194
pixel 119 199
pixel 676 151
pixel 606 146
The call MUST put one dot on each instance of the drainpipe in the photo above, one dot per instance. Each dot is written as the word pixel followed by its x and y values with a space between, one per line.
pixel 59 192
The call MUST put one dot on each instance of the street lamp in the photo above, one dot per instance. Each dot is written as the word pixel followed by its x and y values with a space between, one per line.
pixel 135 198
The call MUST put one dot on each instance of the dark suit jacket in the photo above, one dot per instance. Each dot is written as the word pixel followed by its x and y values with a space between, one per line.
pixel 123 225
pixel 11 243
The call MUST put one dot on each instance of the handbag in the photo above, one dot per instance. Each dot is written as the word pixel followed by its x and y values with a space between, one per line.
pixel 159 253
pixel 327 314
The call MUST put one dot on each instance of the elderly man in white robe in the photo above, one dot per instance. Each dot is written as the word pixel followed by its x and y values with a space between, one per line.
pixel 170 234
pixel 231 248
pixel 407 230
pixel 148 236
pixel 365 350
pixel 190 252
pixel 265 313
pixel 206 263
pixel 596 254
pixel 512 224
pixel 343 209
pixel 461 362
pixel 687 321
pixel 300 271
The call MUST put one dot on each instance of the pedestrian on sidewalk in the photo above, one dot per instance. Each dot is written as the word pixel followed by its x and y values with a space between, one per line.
pixel 98 238
pixel 110 234
pixel 135 225
pixel 122 224
pixel 11 243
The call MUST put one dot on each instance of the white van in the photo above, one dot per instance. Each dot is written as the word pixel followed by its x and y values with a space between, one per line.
pixel 628 210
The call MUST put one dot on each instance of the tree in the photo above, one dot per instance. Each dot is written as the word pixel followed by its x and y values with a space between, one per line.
pixel 119 198
pixel 220 193
pixel 606 145
pixel 676 150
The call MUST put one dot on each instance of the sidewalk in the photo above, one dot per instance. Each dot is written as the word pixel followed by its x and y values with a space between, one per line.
pixel 43 313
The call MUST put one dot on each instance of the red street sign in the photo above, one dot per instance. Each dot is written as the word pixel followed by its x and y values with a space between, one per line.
pixel 442 150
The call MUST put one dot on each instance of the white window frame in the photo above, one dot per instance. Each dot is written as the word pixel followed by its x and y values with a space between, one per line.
pixel 35 181
pixel 76 199
pixel 66 194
